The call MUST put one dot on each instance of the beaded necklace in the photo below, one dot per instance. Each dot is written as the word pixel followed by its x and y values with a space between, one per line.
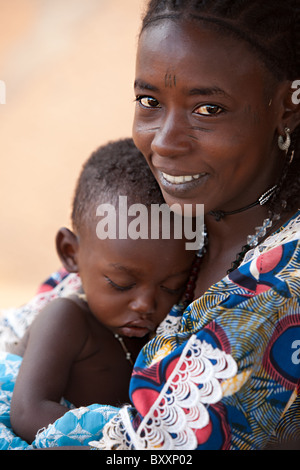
pixel 261 232
pixel 125 349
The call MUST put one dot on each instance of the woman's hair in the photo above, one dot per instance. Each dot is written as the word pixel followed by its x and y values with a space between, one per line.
pixel 271 28
pixel 114 169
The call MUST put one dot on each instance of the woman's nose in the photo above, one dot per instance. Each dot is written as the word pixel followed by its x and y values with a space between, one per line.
pixel 171 136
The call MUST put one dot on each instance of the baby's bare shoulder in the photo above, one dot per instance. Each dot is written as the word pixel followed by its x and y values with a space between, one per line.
pixel 62 322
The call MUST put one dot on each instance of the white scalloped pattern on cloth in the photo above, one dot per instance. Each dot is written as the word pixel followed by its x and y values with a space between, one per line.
pixel 180 411
pixel 169 325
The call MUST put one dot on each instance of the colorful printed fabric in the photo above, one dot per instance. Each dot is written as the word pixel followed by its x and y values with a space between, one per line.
pixel 76 428
pixel 225 374
pixel 15 321
pixel 52 281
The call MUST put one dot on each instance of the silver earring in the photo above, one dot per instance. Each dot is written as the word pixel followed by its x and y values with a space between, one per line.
pixel 285 144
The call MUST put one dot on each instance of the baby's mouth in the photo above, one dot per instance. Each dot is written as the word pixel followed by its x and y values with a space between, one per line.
pixel 137 328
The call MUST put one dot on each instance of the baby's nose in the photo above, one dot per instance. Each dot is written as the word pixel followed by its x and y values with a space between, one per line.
pixel 144 303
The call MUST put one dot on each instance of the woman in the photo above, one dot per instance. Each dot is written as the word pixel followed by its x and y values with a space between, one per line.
pixel 218 124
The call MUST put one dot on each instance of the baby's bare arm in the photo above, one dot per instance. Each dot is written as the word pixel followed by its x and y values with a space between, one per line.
pixel 55 340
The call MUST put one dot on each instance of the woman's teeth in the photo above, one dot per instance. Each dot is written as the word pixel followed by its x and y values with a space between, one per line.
pixel 181 179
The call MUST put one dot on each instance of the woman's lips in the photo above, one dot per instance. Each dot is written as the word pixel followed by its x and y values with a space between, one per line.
pixel 181 183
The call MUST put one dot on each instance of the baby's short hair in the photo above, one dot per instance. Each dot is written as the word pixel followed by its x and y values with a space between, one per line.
pixel 114 169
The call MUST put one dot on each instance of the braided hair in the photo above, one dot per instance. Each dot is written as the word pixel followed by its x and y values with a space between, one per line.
pixel 271 28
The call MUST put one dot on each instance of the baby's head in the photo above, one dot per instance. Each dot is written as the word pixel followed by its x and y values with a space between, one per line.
pixel 113 170
pixel 130 283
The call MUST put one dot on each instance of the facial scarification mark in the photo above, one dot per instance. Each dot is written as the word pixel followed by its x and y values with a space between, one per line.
pixel 170 80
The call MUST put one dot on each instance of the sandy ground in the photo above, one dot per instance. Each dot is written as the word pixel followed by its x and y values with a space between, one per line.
pixel 68 69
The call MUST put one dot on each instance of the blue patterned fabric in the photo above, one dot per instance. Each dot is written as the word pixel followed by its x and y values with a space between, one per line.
pixel 76 428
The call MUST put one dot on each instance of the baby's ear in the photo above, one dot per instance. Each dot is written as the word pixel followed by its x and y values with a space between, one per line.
pixel 67 249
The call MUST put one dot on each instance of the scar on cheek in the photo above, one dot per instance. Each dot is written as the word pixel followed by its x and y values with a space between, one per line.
pixel 170 80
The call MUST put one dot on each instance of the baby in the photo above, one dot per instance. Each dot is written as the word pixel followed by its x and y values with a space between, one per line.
pixel 80 349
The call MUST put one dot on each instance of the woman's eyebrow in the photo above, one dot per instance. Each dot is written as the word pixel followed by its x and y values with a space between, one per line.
pixel 203 91
pixel 144 86
pixel 207 91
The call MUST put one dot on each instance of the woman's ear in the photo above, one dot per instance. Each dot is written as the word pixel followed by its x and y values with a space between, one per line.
pixel 290 111
pixel 67 249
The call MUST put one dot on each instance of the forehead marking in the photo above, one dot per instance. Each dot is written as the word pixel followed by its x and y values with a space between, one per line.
pixel 170 79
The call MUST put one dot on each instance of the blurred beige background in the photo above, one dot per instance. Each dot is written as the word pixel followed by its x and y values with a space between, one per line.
pixel 68 66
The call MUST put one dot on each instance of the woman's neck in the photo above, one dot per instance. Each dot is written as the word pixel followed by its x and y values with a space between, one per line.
pixel 233 230
pixel 226 239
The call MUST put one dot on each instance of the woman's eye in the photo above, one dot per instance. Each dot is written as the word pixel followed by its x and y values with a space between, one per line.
pixel 148 102
pixel 208 110
pixel 117 286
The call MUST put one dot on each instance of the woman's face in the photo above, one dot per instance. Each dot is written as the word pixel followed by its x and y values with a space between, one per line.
pixel 203 117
